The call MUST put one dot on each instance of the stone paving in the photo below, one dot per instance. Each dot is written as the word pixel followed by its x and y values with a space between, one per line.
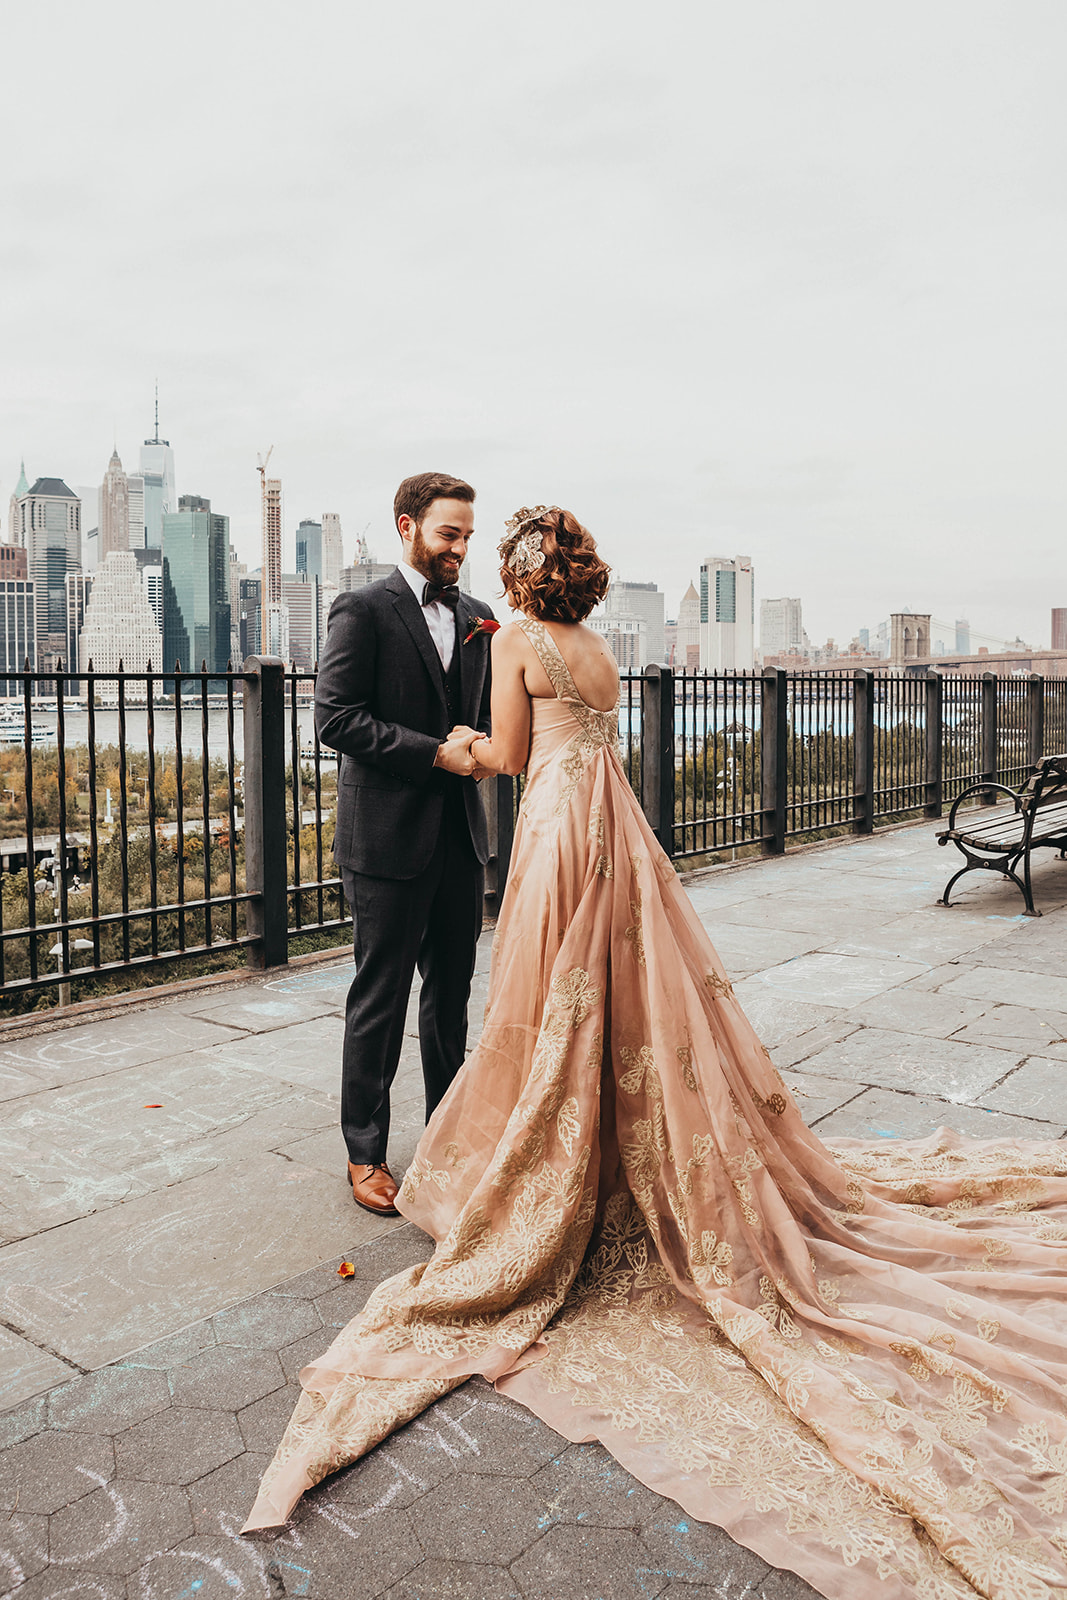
pixel 174 1211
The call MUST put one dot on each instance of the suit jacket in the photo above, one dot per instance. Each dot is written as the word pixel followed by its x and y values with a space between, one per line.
pixel 380 700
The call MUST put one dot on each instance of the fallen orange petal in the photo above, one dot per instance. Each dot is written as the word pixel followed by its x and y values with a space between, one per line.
pixel 346 1270
pixel 155 1106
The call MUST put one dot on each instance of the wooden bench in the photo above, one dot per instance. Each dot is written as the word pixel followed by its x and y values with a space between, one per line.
pixel 999 839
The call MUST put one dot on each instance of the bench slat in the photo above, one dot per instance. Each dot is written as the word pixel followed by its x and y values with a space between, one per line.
pixel 1004 829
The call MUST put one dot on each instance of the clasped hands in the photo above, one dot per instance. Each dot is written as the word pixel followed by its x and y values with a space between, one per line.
pixel 455 754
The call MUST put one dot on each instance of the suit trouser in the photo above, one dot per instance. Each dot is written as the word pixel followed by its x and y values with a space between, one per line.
pixel 433 920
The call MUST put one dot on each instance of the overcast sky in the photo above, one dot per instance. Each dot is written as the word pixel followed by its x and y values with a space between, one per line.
pixel 780 277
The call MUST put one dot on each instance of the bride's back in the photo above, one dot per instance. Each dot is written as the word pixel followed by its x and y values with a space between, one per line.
pixel 588 660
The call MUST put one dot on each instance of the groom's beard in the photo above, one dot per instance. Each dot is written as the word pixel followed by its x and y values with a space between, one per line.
pixel 440 569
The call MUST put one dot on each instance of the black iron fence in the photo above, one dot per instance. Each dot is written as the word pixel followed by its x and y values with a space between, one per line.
pixel 158 818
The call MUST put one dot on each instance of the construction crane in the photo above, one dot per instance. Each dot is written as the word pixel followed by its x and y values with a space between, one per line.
pixel 270 592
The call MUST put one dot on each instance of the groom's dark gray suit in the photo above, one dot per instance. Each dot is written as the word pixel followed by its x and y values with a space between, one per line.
pixel 410 839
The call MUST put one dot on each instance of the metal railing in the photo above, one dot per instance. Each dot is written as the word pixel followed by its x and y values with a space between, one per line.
pixel 159 818
pixel 158 880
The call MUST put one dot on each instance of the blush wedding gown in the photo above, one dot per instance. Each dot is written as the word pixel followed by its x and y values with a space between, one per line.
pixel 851 1358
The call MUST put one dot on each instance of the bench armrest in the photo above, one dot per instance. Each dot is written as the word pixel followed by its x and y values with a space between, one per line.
pixel 979 788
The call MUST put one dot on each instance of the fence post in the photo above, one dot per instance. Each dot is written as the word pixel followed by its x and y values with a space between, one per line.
pixel 265 830
pixel 1037 718
pixel 935 786
pixel 774 759
pixel 863 750
pixel 499 795
pixel 989 733
pixel 657 752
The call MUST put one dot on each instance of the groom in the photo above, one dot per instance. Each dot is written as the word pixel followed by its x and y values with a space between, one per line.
pixel 398 671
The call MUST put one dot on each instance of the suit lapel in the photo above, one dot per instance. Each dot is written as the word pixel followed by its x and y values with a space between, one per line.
pixel 410 613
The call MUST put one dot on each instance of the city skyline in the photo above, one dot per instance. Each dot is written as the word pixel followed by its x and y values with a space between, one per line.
pixel 327 532
pixel 766 279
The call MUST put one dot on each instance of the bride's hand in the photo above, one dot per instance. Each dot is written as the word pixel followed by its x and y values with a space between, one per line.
pixel 461 731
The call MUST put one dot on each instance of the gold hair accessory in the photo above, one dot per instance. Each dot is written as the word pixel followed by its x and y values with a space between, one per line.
pixel 522 551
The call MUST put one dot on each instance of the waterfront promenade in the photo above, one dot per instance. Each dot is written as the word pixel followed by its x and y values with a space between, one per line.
pixel 174 1211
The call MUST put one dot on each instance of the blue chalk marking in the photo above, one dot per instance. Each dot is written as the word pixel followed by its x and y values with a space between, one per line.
pixel 305 1576
pixel 885 1133
pixel 682 1527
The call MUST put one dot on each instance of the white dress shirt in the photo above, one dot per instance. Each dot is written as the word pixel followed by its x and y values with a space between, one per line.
pixel 441 620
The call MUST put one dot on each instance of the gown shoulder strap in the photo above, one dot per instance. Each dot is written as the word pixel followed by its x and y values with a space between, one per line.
pixel 548 653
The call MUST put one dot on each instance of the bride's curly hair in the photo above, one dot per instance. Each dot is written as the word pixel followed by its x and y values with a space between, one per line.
pixel 571 580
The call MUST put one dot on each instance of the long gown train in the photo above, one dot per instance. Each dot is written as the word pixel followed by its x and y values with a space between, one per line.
pixel 851 1358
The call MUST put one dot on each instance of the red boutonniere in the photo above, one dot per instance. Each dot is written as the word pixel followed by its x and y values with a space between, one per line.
pixel 487 625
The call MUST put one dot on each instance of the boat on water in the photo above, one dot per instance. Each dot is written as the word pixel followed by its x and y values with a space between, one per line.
pixel 13 729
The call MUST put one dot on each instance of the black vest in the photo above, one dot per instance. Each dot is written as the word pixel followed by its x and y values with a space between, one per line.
pixel 449 785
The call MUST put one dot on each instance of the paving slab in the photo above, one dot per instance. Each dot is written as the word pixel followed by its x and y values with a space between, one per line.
pixel 1036 946
pixel 1020 1028
pixel 264 1010
pixel 1038 1089
pixel 746 950
pixel 96 1049
pixel 1041 991
pixel 826 978
pixel 305 1054
pixel 881 1114
pixel 916 1062
pixel 916 1010
pixel 778 1016
pixel 26 1369
pixel 817 1095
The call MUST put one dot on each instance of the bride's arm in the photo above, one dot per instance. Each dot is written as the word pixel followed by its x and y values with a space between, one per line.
pixel 509 746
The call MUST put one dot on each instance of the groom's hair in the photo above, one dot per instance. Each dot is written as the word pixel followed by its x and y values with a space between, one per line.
pixel 416 495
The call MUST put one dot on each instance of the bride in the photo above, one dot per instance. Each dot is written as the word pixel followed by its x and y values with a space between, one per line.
pixel 851 1359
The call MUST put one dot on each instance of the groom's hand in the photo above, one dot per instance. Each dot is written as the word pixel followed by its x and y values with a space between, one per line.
pixel 455 754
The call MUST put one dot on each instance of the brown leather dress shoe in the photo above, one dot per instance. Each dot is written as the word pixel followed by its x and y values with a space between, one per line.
pixel 374 1188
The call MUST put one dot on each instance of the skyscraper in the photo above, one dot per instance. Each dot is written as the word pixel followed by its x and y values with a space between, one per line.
pixel 333 556
pixel 114 520
pixel 641 602
pixel 300 593
pixel 49 518
pixel 271 596
pixel 79 588
pixel 1059 628
pixel 135 501
pixel 309 549
pixel 963 637
pixel 119 625
pixel 21 488
pixel 196 585
pixel 727 614
pixel 687 646
pixel 150 566
pixel 251 621
pixel 781 627
pixel 18 630
pixel 157 471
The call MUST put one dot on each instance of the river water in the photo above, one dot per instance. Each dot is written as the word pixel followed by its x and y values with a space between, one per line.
pixel 76 729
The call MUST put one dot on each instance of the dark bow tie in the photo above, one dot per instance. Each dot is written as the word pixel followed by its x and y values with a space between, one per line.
pixel 446 593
